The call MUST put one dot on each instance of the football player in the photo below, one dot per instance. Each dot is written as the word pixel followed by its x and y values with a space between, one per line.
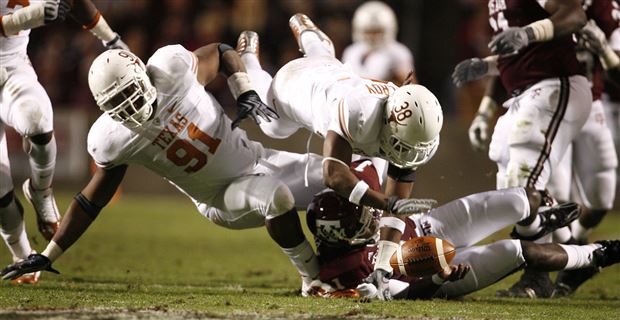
pixel 592 157
pixel 345 243
pixel 25 106
pixel 159 116
pixel 354 116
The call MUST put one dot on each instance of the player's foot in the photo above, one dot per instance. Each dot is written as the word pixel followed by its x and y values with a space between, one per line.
pixel 568 281
pixel 551 219
pixel 44 204
pixel 300 23
pixel 533 284
pixel 248 43
pixel 316 288
pixel 28 278
pixel 608 254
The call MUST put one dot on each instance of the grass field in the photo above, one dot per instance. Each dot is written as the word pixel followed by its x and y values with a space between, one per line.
pixel 156 257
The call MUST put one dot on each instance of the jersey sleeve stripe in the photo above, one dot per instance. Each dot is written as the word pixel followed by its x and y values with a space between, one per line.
pixel 93 23
pixel 342 120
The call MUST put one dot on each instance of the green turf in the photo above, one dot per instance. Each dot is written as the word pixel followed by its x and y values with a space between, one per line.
pixel 157 257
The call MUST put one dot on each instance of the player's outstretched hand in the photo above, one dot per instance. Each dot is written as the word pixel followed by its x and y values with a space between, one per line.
pixel 595 38
pixel 454 272
pixel 250 105
pixel 34 262
pixel 510 41
pixel 479 132
pixel 469 70
pixel 55 10
pixel 116 43
pixel 409 206
pixel 380 279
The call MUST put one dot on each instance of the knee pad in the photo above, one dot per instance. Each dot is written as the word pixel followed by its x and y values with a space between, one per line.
pixel 282 201
pixel 33 118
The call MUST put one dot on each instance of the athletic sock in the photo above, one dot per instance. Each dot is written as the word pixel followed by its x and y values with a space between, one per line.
pixel 531 229
pixel 42 164
pixel 251 61
pixel 304 259
pixel 313 46
pixel 579 256
pixel 13 231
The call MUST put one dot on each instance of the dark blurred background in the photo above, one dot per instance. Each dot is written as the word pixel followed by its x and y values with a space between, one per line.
pixel 439 33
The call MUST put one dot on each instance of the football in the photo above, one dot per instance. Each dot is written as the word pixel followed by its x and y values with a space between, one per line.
pixel 422 256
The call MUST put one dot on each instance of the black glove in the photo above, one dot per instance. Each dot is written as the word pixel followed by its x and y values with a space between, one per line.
pixel 34 262
pixel 249 104
pixel 55 10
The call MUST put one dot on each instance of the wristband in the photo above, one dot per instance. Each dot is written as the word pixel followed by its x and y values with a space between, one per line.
pixel 542 30
pixel 101 29
pixel 239 83
pixel 52 251
pixel 385 251
pixel 437 279
pixel 487 107
pixel 26 18
pixel 358 192
pixel 392 222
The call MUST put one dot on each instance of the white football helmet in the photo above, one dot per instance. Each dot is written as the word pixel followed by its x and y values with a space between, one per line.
pixel 121 87
pixel 371 17
pixel 413 119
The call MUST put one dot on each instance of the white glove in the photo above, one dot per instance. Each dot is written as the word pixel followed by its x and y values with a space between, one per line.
pixel 478 132
pixel 367 291
pixel 116 43
pixel 55 10
pixel 380 279
pixel 510 41
pixel 595 41
pixel 469 70
pixel 409 206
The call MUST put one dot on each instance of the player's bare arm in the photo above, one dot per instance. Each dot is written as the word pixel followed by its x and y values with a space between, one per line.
pixel 82 211
pixel 88 16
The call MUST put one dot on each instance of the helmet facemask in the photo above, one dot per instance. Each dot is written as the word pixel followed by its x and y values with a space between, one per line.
pixel 404 155
pixel 339 232
pixel 129 104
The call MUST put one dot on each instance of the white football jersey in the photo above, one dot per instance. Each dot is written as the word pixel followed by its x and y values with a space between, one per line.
pixel 188 141
pixel 13 48
pixel 379 63
pixel 322 94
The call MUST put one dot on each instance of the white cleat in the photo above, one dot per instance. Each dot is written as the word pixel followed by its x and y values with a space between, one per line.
pixel 44 204
pixel 300 23
pixel 248 43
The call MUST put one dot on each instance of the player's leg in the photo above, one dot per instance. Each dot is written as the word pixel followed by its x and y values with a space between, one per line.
pixel 612 115
pixel 256 200
pixel 27 108
pixel 248 47
pixel 311 40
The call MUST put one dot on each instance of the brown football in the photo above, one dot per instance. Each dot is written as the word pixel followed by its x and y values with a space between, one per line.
pixel 422 256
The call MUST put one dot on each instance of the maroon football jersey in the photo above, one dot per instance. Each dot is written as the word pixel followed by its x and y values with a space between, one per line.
pixel 601 11
pixel 345 268
pixel 538 61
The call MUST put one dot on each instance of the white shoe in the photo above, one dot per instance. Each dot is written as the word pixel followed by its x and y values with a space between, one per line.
pixel 44 204
pixel 316 288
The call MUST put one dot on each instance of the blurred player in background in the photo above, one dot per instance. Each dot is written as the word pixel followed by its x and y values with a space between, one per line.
pixel 592 156
pixel 25 106
pixel 354 116
pixel 345 234
pixel 551 98
pixel 161 117
pixel 375 54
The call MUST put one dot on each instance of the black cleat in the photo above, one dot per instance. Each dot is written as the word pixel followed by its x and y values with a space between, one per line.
pixel 568 281
pixel 608 254
pixel 551 219
pixel 533 284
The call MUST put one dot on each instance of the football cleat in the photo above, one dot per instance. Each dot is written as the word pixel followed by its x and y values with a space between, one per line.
pixel 28 278
pixel 44 204
pixel 300 23
pixel 551 219
pixel 568 281
pixel 607 254
pixel 248 43
pixel 316 288
pixel 533 284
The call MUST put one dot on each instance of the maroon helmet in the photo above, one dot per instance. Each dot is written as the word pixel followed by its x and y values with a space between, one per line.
pixel 335 221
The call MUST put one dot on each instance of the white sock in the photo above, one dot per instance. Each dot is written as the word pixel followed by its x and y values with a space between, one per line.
pixel 251 61
pixel 580 232
pixel 531 229
pixel 303 258
pixel 313 46
pixel 42 164
pixel 13 231
pixel 579 256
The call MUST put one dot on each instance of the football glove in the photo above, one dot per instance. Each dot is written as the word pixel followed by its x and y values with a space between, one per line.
pixel 34 262
pixel 511 41
pixel 409 206
pixel 55 10
pixel 469 70
pixel 249 104
pixel 479 132
pixel 380 279
pixel 115 43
